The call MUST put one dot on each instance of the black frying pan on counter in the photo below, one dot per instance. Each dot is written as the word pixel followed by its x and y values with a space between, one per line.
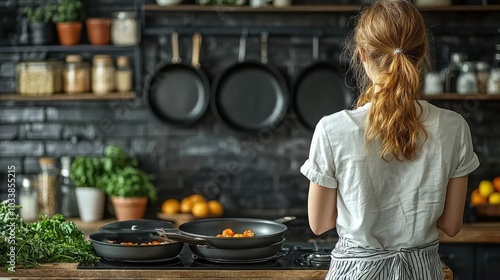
pixel 108 242
pixel 179 93
pixel 250 95
pixel 319 91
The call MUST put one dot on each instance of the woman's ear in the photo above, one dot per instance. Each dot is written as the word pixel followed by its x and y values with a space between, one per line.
pixel 362 54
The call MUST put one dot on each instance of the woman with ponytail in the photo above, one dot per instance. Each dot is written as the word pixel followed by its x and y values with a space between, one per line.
pixel 391 172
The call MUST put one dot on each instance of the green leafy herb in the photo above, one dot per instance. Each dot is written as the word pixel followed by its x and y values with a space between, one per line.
pixel 42 14
pixel 69 10
pixel 50 239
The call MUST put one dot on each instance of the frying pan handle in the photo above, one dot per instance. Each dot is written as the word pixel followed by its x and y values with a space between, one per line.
pixel 315 46
pixel 176 58
pixel 195 61
pixel 243 46
pixel 263 47
pixel 174 234
pixel 285 219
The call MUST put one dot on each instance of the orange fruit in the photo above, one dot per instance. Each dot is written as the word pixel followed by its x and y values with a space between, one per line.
pixel 197 197
pixel 476 198
pixel 170 206
pixel 215 208
pixel 200 209
pixel 186 205
pixel 496 183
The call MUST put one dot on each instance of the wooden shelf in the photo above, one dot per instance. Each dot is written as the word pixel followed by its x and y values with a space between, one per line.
pixel 68 97
pixel 456 96
pixel 60 48
pixel 302 8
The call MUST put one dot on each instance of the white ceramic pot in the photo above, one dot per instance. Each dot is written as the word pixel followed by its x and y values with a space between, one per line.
pixel 90 203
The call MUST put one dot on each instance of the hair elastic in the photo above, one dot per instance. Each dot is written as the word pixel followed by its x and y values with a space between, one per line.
pixel 397 50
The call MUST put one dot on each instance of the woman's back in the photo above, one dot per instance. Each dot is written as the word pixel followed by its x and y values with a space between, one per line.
pixel 393 204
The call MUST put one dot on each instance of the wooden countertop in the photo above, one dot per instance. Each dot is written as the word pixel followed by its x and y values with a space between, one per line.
pixel 69 271
pixel 475 233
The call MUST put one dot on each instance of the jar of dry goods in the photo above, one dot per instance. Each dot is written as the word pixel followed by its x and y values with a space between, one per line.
pixel 103 74
pixel 483 74
pixel 125 29
pixel 58 67
pixel 76 75
pixel 123 74
pixel 47 187
pixel 35 78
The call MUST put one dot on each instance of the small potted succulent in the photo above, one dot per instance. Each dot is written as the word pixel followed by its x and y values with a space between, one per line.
pixel 69 21
pixel 129 187
pixel 43 31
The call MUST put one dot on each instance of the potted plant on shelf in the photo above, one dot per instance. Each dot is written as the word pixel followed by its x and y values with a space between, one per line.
pixel 43 31
pixel 85 173
pixel 129 187
pixel 68 20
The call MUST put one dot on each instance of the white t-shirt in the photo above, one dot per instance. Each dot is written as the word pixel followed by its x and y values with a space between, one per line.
pixel 389 205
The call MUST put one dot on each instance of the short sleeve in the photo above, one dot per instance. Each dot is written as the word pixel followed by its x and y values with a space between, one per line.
pixel 319 167
pixel 467 159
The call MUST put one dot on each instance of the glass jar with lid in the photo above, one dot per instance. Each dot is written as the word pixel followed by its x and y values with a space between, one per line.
pixel 76 77
pixel 35 78
pixel 467 80
pixel 493 86
pixel 482 73
pixel 123 74
pixel 58 67
pixel 47 186
pixel 103 74
pixel 125 29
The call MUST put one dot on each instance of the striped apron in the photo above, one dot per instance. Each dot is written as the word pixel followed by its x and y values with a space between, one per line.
pixel 351 262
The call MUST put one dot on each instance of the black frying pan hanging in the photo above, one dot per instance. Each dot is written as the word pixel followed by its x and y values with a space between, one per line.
pixel 319 91
pixel 179 93
pixel 250 95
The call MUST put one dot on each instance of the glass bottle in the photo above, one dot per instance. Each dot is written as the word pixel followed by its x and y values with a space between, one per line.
pixel 125 30
pixel 123 74
pixel 68 197
pixel 29 200
pixel 103 74
pixel 451 72
pixel 467 81
pixel 493 86
pixel 76 75
pixel 483 73
pixel 47 186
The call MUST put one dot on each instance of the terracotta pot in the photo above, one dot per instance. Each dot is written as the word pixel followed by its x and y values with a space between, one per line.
pixel 98 31
pixel 69 32
pixel 129 208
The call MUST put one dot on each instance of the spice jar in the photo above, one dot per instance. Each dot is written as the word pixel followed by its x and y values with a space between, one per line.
pixel 35 78
pixel 123 74
pixel 125 29
pixel 76 75
pixel 103 74
pixel 482 73
pixel 29 200
pixel 467 81
pixel 47 188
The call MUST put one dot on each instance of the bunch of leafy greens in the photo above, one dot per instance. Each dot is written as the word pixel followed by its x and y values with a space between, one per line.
pixel 50 239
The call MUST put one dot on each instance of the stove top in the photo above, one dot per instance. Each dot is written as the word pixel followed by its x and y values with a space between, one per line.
pixel 293 255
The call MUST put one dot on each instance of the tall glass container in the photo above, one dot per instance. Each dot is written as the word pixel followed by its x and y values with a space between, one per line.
pixel 76 75
pixel 47 186
pixel 123 74
pixel 29 200
pixel 69 207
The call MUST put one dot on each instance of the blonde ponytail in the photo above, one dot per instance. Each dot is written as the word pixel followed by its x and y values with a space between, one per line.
pixel 393 36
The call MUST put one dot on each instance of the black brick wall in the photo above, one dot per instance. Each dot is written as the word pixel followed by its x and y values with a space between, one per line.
pixel 245 172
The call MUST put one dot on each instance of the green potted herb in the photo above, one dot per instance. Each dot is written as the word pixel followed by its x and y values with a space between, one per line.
pixel 129 187
pixel 85 173
pixel 69 21
pixel 43 30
